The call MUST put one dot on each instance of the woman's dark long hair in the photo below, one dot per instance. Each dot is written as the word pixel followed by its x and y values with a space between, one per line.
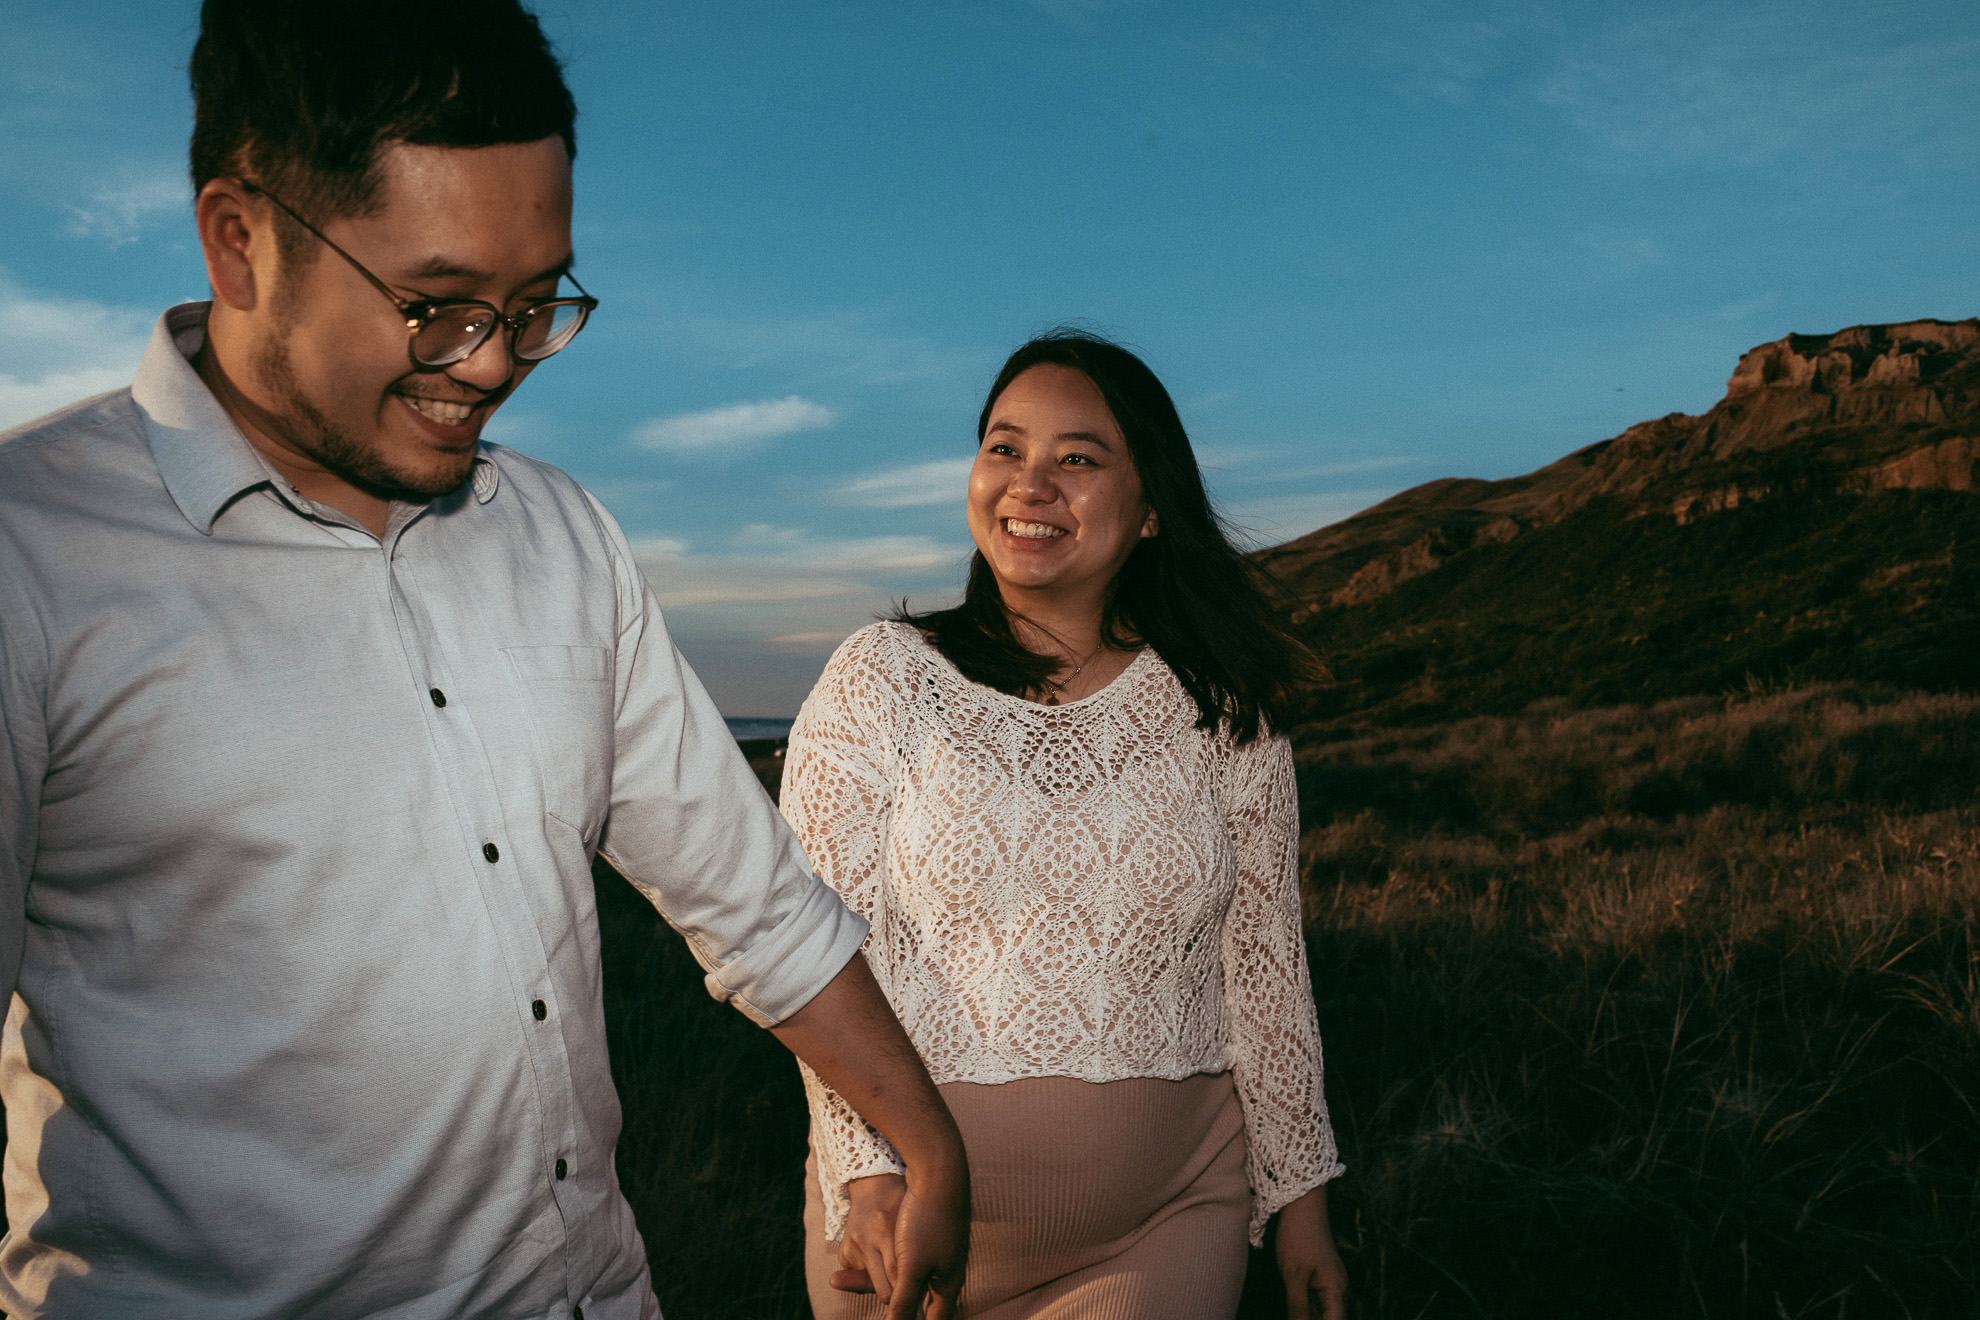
pixel 1185 591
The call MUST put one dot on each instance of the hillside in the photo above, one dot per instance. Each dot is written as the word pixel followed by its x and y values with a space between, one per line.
pixel 1641 874
pixel 1818 524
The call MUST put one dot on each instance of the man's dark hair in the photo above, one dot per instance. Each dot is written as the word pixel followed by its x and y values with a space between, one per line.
pixel 296 96
pixel 1186 591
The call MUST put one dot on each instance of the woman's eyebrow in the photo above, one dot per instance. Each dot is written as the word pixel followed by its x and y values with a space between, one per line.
pixel 1089 437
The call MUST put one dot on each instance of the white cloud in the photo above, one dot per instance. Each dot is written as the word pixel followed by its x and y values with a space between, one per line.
pixel 23 401
pixel 807 643
pixel 770 566
pixel 119 215
pixel 943 481
pixel 736 429
pixel 55 351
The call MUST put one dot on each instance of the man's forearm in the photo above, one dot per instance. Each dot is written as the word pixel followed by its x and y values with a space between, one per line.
pixel 849 1036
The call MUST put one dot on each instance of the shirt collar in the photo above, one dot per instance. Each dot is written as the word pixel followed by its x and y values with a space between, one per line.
pixel 202 456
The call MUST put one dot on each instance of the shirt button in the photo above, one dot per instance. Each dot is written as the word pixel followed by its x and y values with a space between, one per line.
pixel 439 697
pixel 491 852
pixel 538 1008
pixel 562 1169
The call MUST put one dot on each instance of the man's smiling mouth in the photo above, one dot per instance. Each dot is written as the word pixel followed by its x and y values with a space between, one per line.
pixel 443 411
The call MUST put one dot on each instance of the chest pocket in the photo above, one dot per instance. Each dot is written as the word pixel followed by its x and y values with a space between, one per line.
pixel 568 693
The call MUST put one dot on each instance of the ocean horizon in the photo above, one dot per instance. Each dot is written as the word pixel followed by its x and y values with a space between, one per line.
pixel 746 727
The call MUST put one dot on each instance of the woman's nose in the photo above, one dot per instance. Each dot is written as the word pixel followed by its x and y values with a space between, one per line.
pixel 1034 483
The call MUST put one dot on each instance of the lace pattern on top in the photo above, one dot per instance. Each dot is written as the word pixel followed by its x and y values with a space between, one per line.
pixel 1097 890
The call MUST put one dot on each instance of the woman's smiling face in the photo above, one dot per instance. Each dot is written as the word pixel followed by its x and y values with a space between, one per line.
pixel 1055 503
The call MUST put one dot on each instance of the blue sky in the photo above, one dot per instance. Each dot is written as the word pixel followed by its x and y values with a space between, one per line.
pixel 1365 245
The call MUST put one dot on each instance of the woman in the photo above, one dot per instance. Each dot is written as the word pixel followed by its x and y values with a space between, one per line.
pixel 1063 807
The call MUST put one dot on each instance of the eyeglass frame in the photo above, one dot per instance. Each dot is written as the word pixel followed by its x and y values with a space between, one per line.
pixel 420 312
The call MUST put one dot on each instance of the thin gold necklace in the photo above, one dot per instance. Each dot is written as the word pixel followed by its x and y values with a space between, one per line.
pixel 1060 685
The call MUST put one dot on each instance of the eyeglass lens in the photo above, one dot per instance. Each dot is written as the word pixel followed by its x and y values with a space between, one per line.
pixel 452 333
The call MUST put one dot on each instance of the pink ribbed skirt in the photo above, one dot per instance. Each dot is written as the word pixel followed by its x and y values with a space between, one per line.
pixel 1098 1200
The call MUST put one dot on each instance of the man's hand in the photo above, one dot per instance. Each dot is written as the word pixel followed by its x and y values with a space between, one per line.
pixel 1308 1262
pixel 908 1235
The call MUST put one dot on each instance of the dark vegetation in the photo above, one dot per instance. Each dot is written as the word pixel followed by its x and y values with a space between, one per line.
pixel 1642 868
pixel 1644 1011
pixel 712 1153
pixel 1666 1011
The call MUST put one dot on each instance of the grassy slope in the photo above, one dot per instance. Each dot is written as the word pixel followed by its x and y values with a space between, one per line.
pixel 1666 1008
pixel 1656 1012
pixel 1648 1011
pixel 1647 970
pixel 1659 1008
pixel 1600 610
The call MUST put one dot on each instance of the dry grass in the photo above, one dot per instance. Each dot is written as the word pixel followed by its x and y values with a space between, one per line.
pixel 1666 1012
pixel 1661 1012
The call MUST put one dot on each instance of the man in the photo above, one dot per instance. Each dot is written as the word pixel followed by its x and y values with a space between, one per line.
pixel 316 708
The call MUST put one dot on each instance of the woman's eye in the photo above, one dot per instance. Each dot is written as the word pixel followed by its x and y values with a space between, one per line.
pixel 1081 459
pixel 1005 450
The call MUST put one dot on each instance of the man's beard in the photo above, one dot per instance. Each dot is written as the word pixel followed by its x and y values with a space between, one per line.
pixel 311 433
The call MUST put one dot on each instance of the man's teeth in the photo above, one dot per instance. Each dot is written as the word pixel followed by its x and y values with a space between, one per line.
pixel 439 409
pixel 1032 531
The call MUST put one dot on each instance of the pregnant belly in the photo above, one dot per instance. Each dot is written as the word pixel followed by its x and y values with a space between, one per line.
pixel 1059 1165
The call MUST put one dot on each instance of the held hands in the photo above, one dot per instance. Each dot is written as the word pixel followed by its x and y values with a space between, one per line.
pixel 909 1235
pixel 866 1252
pixel 902 1242
pixel 1308 1263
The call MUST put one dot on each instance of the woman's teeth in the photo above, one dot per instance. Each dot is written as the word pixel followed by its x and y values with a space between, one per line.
pixel 1032 531
pixel 439 409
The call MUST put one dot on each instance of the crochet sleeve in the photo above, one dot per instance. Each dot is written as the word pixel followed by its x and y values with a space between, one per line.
pixel 836 796
pixel 1275 1035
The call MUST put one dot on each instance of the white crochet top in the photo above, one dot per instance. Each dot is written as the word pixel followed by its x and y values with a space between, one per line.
pixel 1097 890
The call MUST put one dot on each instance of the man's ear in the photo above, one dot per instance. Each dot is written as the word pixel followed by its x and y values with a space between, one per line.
pixel 235 235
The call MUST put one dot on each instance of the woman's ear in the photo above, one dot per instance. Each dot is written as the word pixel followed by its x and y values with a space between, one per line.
pixel 1151 525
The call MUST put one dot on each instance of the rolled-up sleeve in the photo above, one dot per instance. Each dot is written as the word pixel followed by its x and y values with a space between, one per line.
pixel 694 831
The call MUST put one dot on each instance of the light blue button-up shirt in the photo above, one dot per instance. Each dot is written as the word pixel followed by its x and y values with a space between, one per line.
pixel 295 898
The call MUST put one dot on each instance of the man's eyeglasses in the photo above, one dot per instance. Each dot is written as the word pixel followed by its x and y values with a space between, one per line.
pixel 443 331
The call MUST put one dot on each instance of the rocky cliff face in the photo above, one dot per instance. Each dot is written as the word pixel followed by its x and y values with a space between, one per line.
pixel 1818 523
pixel 1870 408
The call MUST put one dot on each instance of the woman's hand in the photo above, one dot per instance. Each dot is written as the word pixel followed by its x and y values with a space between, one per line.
pixel 866 1252
pixel 872 1249
pixel 1308 1262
